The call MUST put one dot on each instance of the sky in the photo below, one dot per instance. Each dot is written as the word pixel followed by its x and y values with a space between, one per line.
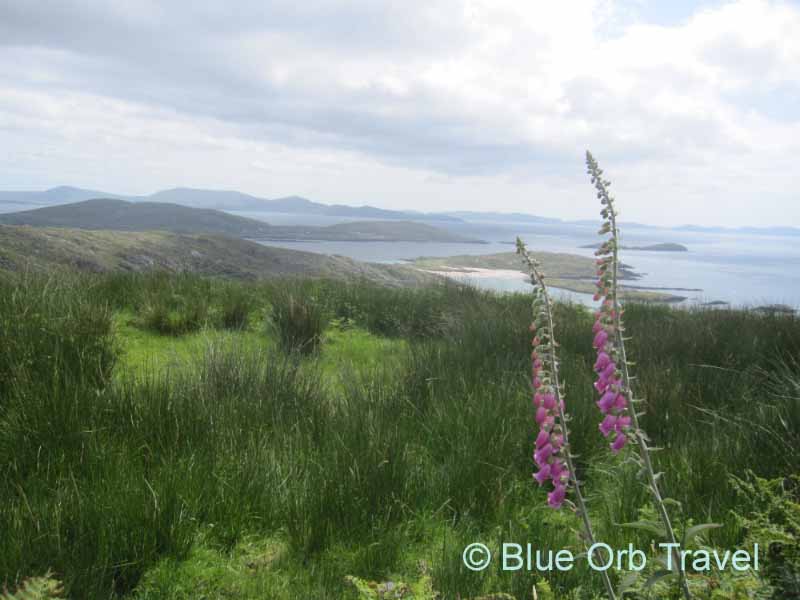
pixel 692 109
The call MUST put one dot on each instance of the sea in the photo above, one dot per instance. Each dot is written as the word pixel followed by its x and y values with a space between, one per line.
pixel 740 269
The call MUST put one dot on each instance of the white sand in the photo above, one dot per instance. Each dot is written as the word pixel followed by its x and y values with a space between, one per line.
pixel 478 273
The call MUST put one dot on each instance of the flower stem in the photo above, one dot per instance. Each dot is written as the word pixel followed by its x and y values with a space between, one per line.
pixel 641 439
pixel 538 278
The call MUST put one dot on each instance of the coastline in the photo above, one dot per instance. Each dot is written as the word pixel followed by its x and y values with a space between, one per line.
pixel 580 286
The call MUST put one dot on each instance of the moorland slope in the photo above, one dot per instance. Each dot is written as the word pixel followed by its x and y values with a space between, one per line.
pixel 42 248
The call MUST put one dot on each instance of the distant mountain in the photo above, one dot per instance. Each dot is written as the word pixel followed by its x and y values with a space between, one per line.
pixel 121 215
pixel 222 200
pixel 58 195
pixel 296 204
pixel 791 231
pixel 501 217
pixel 228 200
pixel 216 199
pixel 770 230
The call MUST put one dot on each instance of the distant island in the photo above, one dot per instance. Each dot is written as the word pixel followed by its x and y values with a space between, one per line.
pixel 664 247
pixel 565 271
pixel 122 215
pixel 559 265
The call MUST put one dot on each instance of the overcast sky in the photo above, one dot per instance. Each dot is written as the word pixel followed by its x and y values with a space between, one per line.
pixel 693 109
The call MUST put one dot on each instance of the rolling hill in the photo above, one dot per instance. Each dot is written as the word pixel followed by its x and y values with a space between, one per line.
pixel 122 215
pixel 400 231
pixel 44 248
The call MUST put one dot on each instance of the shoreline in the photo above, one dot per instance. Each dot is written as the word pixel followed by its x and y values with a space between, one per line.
pixel 575 285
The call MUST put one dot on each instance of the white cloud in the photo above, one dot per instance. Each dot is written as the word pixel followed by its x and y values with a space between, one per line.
pixel 362 101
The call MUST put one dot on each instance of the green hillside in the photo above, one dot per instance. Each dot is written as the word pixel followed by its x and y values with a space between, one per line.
pixel 399 231
pixel 102 251
pixel 121 215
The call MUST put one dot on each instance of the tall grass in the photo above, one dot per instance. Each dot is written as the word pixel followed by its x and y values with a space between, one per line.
pixel 175 305
pixel 411 313
pixel 54 331
pixel 178 304
pixel 100 478
pixel 298 318
pixel 236 305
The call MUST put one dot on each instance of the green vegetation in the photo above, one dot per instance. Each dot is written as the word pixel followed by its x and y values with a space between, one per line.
pixel 383 231
pixel 45 249
pixel 201 460
pixel 297 319
pixel 558 264
pixel 36 588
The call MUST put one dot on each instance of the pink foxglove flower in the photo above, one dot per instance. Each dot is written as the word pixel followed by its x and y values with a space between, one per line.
pixel 552 453
pixel 550 440
pixel 620 422
pixel 609 385
pixel 556 498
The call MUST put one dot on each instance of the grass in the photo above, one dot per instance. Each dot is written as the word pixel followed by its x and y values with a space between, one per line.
pixel 142 464
pixel 298 318
pixel 145 352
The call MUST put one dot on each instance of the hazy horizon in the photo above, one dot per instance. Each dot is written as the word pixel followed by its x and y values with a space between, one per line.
pixel 693 109
pixel 126 196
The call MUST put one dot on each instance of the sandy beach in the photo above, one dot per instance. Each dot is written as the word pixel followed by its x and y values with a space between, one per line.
pixel 478 273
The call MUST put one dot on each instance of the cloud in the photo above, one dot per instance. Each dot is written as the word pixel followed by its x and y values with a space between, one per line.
pixel 495 95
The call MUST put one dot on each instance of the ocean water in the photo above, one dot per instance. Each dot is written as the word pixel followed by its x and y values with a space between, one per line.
pixel 741 269
pixel 9 207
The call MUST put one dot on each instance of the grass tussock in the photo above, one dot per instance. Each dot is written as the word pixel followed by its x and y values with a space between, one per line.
pixel 298 319
pixel 55 331
pixel 116 482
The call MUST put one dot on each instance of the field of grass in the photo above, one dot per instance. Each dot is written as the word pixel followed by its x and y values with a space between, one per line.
pixel 172 436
